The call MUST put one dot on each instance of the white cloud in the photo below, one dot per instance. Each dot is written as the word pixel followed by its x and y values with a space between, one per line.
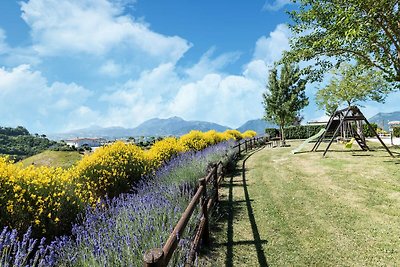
pixel 270 49
pixel 29 99
pixel 275 5
pixel 207 64
pixel 94 27
pixel 203 93
pixel 110 68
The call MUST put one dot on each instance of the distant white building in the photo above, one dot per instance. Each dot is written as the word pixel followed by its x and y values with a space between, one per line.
pixel 91 142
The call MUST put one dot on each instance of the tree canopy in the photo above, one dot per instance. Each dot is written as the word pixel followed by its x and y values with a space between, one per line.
pixel 365 30
pixel 351 84
pixel 285 96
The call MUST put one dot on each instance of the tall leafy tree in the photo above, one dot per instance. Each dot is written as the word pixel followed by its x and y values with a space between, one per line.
pixel 365 30
pixel 352 84
pixel 285 96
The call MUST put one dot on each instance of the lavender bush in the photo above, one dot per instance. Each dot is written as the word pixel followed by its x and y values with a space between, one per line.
pixel 118 231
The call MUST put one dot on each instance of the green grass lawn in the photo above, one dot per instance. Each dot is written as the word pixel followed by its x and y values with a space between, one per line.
pixel 63 159
pixel 305 210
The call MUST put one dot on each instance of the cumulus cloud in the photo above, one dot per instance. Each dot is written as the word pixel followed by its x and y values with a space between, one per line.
pixel 94 27
pixel 200 92
pixel 270 49
pixel 29 99
pixel 85 29
pixel 208 64
pixel 274 5
pixel 112 69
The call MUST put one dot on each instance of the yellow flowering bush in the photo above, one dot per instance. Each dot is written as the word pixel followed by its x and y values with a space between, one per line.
pixel 249 134
pixel 235 134
pixel 49 199
pixel 194 140
pixel 109 170
pixel 41 196
pixel 163 150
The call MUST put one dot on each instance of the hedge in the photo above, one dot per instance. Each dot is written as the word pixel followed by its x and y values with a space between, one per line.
pixel 302 131
pixel 367 131
pixel 272 132
pixel 396 131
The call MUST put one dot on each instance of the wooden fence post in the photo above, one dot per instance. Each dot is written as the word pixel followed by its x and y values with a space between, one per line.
pixel 239 149
pixel 216 182
pixel 153 258
pixel 245 145
pixel 204 203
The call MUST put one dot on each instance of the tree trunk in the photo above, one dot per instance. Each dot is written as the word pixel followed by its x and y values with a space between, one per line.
pixel 282 136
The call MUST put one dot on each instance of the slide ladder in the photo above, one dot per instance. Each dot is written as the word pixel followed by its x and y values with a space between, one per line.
pixel 308 140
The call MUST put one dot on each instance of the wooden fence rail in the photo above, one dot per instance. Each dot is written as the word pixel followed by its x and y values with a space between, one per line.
pixel 161 257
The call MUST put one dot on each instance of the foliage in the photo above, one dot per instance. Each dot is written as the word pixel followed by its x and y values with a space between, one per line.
pixel 249 134
pixel 285 96
pixel 19 130
pixel 351 84
pixel 396 131
pixel 302 131
pixel 367 31
pixel 271 132
pixel 18 143
pixel 367 131
pixel 235 134
pixel 117 231
pixel 39 196
pixel 49 198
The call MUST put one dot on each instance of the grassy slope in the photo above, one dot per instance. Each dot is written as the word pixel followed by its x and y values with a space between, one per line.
pixel 63 159
pixel 306 210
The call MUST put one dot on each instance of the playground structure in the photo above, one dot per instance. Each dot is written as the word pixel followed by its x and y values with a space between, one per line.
pixel 308 140
pixel 345 121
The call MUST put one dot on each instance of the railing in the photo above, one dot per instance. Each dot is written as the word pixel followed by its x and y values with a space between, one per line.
pixel 161 257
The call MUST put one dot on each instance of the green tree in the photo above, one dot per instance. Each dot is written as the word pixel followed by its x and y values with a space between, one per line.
pixel 285 96
pixel 365 30
pixel 352 84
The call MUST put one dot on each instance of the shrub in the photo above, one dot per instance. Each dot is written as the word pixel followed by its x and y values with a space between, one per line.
pixel 367 131
pixel 110 171
pixel 271 132
pixel 302 131
pixel 39 196
pixel 49 199
pixel 396 131
pixel 249 134
pixel 163 150
pixel 235 134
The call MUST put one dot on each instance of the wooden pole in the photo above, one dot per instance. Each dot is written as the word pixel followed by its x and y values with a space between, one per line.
pixel 204 203
pixel 215 170
pixel 153 258
pixel 336 131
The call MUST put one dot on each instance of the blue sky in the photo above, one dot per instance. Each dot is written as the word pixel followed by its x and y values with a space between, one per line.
pixel 69 64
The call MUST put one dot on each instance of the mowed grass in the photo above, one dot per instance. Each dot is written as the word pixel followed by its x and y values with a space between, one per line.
pixel 305 210
pixel 63 159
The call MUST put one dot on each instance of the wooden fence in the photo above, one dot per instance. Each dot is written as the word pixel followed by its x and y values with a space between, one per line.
pixel 161 257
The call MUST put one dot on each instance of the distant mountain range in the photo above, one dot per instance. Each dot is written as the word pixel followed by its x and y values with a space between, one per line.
pixel 257 125
pixel 158 127
pixel 382 119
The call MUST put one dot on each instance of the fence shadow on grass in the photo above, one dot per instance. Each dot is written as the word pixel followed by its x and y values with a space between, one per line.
pixel 229 208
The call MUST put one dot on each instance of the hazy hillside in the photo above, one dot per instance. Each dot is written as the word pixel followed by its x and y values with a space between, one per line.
pixel 174 126
pixel 384 118
pixel 94 131
pixel 257 125
pixel 153 127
